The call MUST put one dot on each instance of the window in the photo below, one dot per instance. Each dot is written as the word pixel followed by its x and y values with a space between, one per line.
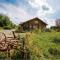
pixel 36 22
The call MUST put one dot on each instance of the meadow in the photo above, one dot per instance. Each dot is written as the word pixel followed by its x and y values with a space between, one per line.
pixel 44 45
pixel 40 45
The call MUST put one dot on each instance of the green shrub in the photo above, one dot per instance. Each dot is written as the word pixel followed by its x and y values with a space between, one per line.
pixel 56 40
pixel 55 28
pixel 0 27
pixel 17 56
pixel 2 56
pixel 7 27
pixel 54 52
pixel 17 29
pixel 47 30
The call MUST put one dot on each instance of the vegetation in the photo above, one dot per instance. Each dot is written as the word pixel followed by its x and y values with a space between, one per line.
pixel 47 30
pixel 5 22
pixel 38 45
pixel 18 28
pixel 42 47
pixel 55 28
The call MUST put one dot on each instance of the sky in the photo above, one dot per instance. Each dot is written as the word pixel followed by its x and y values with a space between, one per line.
pixel 22 10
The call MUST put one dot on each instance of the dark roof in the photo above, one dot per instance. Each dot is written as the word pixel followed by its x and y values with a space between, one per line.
pixel 34 19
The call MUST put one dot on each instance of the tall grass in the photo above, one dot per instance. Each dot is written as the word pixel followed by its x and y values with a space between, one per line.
pixel 40 43
pixel 39 46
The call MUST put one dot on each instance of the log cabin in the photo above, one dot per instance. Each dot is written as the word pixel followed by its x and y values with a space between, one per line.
pixel 32 24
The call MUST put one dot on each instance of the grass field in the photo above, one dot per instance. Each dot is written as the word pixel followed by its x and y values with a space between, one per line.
pixel 41 45
pixel 45 46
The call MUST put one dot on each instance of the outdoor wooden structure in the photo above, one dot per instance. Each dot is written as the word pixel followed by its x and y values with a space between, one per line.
pixel 8 42
pixel 31 24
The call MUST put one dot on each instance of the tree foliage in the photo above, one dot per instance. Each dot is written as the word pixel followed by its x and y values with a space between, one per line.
pixel 58 22
pixel 55 28
pixel 5 22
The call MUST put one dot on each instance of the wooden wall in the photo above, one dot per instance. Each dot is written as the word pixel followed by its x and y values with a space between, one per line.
pixel 33 24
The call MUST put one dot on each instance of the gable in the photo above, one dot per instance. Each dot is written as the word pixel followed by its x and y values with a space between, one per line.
pixel 36 21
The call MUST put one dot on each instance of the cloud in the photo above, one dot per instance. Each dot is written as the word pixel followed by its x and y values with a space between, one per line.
pixel 44 9
pixel 51 22
pixel 22 10
pixel 37 3
pixel 42 6
pixel 16 13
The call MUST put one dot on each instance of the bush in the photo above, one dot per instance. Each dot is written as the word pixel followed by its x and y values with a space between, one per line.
pixel 5 22
pixel 3 56
pixel 55 28
pixel 1 28
pixel 54 52
pixel 17 56
pixel 47 30
pixel 7 27
pixel 56 40
pixel 18 29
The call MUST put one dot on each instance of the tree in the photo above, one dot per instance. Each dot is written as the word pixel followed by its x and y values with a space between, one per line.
pixel 5 22
pixel 58 22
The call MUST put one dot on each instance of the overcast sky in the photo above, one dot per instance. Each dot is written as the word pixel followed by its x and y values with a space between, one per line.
pixel 21 10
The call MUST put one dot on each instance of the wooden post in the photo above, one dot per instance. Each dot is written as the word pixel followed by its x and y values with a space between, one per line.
pixel 8 52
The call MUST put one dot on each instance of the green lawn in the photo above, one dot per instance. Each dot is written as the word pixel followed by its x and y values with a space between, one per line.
pixel 45 46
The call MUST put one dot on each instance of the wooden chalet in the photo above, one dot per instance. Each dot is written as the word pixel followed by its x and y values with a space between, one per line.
pixel 31 24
